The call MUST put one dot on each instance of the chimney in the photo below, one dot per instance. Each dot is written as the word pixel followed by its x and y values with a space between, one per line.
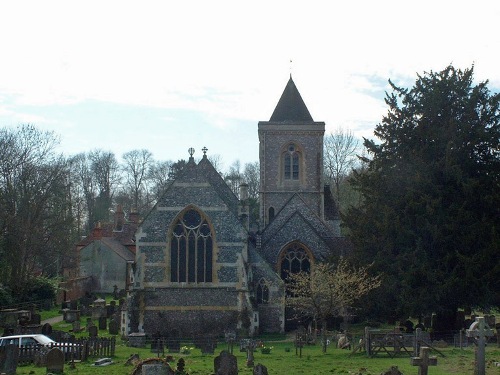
pixel 133 216
pixel 119 218
pixel 97 231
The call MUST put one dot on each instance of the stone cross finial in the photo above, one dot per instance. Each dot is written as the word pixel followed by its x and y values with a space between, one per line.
pixel 423 361
pixel 204 149
pixel 480 330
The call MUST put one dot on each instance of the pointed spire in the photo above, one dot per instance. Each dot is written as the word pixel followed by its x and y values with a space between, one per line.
pixel 291 107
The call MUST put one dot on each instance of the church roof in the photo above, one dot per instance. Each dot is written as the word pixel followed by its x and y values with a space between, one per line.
pixel 291 107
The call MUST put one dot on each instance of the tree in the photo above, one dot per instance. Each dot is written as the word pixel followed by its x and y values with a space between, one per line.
pixel 327 291
pixel 136 166
pixel 340 158
pixel 159 176
pixel 430 215
pixel 35 212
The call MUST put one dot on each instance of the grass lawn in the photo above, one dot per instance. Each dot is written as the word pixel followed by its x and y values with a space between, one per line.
pixel 283 360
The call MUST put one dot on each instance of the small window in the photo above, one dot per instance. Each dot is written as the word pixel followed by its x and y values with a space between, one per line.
pixel 271 214
pixel 262 292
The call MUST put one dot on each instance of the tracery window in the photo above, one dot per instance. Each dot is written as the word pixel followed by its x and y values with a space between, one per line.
pixel 191 248
pixel 262 292
pixel 291 159
pixel 294 259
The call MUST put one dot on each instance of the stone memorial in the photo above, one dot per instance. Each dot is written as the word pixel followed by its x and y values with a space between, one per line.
pixel 225 364
pixel 137 340
pixel 392 371
pixel 55 361
pixel 260 369
pixel 480 331
pixel 103 323
pixel 423 361
pixel 8 359
pixel 114 327
pixel 93 331
pixel 46 329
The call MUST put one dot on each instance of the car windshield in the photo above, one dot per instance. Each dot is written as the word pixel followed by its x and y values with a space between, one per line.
pixel 44 340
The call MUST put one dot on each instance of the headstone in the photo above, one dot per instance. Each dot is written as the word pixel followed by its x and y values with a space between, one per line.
pixel 103 323
pixel 260 369
pixel 480 330
pixel 423 361
pixel 71 315
pixel 110 310
pixel 114 327
pixel 76 326
pixel 225 364
pixel 93 331
pixel 36 319
pixel 46 329
pixel 137 340
pixel 392 371
pixel 158 368
pixel 8 359
pixel 103 362
pixel 55 361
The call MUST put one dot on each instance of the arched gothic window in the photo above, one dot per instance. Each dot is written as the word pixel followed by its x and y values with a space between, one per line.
pixel 191 246
pixel 262 291
pixel 291 160
pixel 294 259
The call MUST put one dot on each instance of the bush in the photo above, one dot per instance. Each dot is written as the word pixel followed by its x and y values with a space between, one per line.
pixel 40 288
pixel 5 296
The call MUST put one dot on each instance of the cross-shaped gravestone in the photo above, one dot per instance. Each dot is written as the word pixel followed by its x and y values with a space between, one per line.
pixel 423 361
pixel 481 331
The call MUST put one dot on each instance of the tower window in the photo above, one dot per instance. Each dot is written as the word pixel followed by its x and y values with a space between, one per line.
pixel 191 246
pixel 291 163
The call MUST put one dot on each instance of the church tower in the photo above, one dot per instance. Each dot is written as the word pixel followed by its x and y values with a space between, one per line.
pixel 291 156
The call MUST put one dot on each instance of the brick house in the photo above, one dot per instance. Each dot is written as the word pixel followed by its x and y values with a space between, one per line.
pixel 197 266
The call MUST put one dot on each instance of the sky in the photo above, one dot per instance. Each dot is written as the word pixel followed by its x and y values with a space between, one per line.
pixel 169 75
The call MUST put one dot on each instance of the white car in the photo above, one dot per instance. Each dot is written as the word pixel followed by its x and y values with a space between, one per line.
pixel 33 340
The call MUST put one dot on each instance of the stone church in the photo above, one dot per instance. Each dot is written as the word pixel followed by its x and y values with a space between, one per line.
pixel 198 267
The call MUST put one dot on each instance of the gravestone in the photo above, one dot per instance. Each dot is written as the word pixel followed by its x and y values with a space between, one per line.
pixel 480 330
pixel 46 329
pixel 55 361
pixel 93 331
pixel 392 371
pixel 9 355
pixel 260 369
pixel 36 319
pixel 225 364
pixel 137 340
pixel 173 342
pixel 103 323
pixel 155 369
pixel 71 315
pixel 76 326
pixel 114 327
pixel 423 361
pixel 230 337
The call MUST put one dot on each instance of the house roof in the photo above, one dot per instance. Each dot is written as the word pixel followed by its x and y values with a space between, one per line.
pixel 291 107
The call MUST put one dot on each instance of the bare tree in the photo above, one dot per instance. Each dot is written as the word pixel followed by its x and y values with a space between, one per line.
pixel 136 167
pixel 328 290
pixel 159 177
pixel 340 157
pixel 105 170
pixel 34 206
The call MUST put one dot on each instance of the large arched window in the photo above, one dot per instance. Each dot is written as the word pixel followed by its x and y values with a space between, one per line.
pixel 191 247
pixel 291 163
pixel 294 259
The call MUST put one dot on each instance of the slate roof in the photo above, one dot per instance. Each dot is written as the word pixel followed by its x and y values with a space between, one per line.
pixel 291 107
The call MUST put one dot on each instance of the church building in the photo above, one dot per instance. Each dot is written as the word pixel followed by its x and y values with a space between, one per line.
pixel 198 268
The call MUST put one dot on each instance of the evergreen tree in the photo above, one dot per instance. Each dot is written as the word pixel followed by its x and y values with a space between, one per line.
pixel 430 216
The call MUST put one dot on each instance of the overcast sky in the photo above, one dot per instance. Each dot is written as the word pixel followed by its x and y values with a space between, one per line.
pixel 170 75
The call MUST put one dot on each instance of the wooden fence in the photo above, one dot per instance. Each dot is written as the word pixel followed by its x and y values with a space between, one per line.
pixel 78 349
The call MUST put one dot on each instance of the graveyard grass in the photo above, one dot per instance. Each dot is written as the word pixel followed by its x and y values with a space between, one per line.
pixel 283 360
